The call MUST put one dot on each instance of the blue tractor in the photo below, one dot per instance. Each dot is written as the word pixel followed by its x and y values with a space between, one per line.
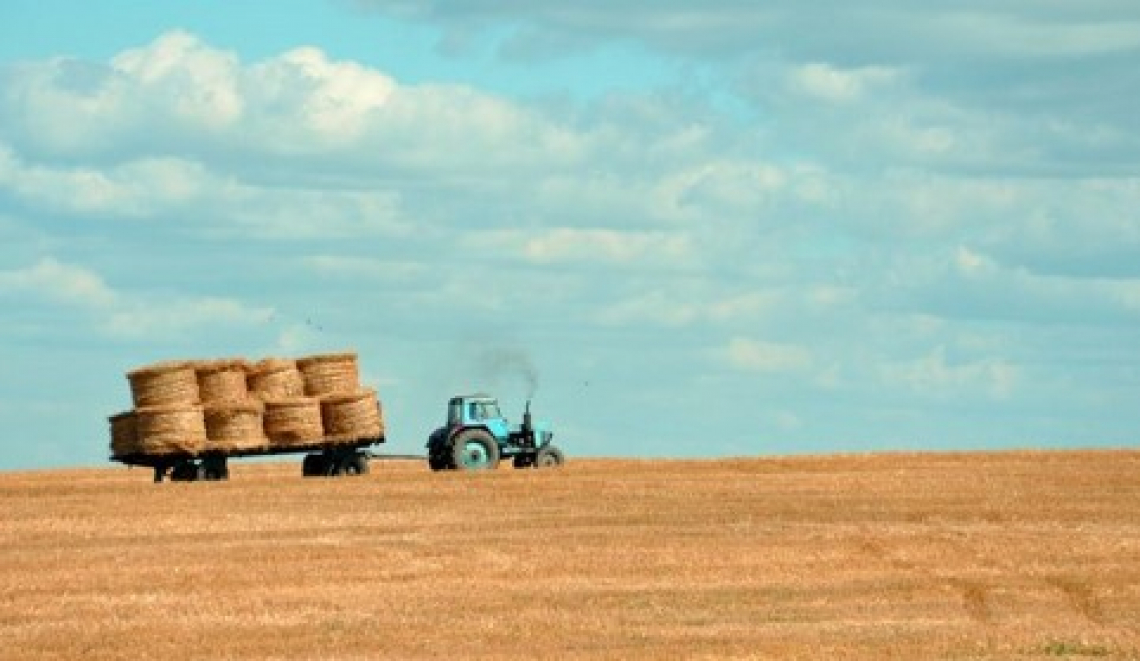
pixel 477 436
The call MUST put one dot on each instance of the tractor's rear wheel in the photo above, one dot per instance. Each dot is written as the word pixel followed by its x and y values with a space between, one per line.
pixel 438 462
pixel 474 449
pixel 549 457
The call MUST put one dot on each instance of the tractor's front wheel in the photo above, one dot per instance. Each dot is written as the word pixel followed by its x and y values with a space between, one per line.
pixel 549 457
pixel 474 449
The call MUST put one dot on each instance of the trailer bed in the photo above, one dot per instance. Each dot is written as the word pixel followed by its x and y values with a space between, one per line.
pixel 323 457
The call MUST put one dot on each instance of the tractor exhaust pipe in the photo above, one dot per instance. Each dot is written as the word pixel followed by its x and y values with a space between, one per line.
pixel 526 425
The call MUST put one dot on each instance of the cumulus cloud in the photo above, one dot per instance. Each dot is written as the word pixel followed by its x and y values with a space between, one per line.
pixel 183 95
pixel 933 375
pixel 65 283
pixel 122 314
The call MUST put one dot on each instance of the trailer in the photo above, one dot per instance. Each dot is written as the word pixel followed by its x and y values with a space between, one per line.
pixel 323 458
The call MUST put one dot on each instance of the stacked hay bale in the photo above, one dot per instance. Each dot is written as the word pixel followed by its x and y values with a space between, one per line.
pixel 275 378
pixel 231 406
pixel 235 427
pixel 162 384
pixel 124 434
pixel 171 429
pixel 351 416
pixel 233 417
pixel 293 422
pixel 222 381
pixel 348 412
pixel 168 416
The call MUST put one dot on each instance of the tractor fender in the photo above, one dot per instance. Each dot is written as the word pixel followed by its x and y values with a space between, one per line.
pixel 459 429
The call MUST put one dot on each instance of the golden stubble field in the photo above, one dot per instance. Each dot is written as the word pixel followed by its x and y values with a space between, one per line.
pixel 970 556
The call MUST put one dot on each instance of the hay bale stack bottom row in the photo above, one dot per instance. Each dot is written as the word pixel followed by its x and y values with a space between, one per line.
pixel 234 406
pixel 235 427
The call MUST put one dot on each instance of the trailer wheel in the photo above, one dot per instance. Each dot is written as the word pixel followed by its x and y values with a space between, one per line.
pixel 474 449
pixel 357 464
pixel 313 465
pixel 186 471
pixel 549 457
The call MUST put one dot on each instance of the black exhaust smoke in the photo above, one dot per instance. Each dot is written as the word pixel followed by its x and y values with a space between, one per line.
pixel 503 363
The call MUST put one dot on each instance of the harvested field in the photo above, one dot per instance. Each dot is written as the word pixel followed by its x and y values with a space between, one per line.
pixel 972 556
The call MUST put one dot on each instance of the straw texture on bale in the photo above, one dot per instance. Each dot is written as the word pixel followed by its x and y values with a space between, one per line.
pixel 295 421
pixel 352 416
pixel 330 374
pixel 235 427
pixel 124 434
pixel 222 381
pixel 274 379
pixel 171 429
pixel 164 384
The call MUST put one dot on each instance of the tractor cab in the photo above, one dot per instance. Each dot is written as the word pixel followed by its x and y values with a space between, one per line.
pixel 478 411
pixel 477 435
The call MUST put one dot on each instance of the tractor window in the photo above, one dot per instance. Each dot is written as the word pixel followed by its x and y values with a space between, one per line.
pixel 491 410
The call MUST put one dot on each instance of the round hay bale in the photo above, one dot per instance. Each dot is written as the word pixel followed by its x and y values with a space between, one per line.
pixel 164 384
pixel 124 434
pixel 352 416
pixel 221 381
pixel 275 378
pixel 295 421
pixel 235 427
pixel 174 429
pixel 330 374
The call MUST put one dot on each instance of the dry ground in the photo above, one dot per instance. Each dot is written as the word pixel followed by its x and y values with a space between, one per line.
pixel 983 556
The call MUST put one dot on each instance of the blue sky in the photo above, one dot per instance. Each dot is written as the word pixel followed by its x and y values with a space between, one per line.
pixel 732 230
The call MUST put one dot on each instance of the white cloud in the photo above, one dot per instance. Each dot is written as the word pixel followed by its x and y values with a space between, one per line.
pixel 72 285
pixel 935 376
pixel 659 307
pixel 566 244
pixel 179 315
pixel 835 85
pixel 752 355
pixel 123 314
pixel 143 188
pixel 200 83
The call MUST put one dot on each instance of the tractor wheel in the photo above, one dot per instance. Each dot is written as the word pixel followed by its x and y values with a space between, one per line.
pixel 474 449
pixel 549 457
pixel 438 462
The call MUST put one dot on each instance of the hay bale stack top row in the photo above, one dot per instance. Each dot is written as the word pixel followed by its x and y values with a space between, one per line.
pixel 232 405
